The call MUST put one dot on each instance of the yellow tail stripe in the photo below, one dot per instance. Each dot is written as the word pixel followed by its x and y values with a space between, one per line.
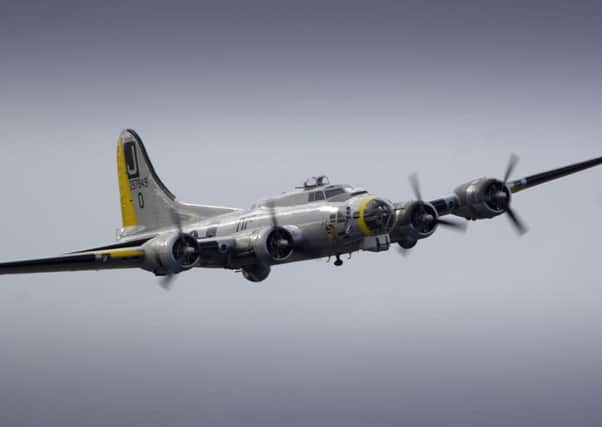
pixel 128 211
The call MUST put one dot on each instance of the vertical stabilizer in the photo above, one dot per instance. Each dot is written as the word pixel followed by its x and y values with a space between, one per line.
pixel 146 203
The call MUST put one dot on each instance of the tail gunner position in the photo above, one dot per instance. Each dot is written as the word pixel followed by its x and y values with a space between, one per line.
pixel 166 237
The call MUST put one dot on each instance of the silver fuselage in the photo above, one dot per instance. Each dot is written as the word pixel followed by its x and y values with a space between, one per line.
pixel 326 227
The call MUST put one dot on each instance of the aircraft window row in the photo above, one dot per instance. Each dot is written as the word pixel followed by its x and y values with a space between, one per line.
pixel 316 195
pixel 243 223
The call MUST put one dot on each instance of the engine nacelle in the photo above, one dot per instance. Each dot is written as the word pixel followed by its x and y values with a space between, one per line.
pixel 276 244
pixel 415 220
pixel 482 198
pixel 171 253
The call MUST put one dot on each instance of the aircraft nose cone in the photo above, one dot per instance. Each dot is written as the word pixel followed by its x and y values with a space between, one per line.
pixel 428 218
pixel 377 215
pixel 501 197
pixel 283 243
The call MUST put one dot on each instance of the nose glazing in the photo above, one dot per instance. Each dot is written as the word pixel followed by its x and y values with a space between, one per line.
pixel 378 215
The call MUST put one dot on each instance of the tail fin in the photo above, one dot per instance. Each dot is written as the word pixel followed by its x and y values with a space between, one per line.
pixel 146 203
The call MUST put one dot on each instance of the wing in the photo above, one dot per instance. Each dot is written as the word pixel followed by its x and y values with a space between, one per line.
pixel 481 198
pixel 541 178
pixel 147 253
pixel 484 197
pixel 103 259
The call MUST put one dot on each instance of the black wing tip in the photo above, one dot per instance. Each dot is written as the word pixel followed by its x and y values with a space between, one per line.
pixel 543 177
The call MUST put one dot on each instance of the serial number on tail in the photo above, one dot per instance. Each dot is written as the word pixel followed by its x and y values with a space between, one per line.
pixel 138 183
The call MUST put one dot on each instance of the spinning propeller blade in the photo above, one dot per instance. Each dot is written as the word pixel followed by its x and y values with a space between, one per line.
pixel 518 224
pixel 415 184
pixel 166 282
pixel 515 220
pixel 447 223
pixel 512 162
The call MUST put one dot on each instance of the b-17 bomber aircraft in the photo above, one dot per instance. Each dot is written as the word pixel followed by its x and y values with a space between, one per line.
pixel 166 237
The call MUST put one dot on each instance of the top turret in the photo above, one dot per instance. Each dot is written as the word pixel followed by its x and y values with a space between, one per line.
pixel 315 181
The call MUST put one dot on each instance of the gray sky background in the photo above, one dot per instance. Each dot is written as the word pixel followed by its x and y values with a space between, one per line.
pixel 240 100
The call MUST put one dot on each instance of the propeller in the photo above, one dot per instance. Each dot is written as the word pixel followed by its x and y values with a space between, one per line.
pixel 272 210
pixel 182 250
pixel 167 281
pixel 499 197
pixel 415 184
pixel 403 251
pixel 426 217
pixel 279 241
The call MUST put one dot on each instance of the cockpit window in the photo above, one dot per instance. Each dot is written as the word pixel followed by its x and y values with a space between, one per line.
pixel 334 192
